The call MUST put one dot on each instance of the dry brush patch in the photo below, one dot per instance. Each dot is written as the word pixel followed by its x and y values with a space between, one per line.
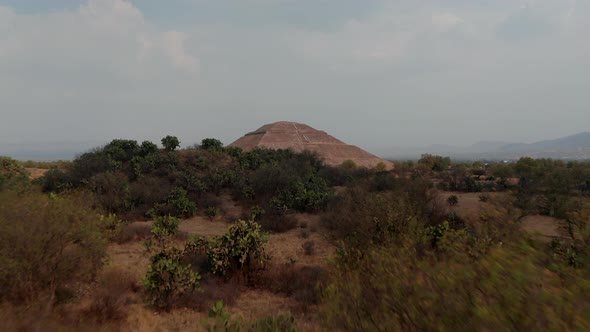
pixel 115 290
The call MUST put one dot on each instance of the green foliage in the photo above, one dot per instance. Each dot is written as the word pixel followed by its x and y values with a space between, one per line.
pixel 165 227
pixel 89 164
pixel 311 195
pixel 170 143
pixel 147 148
pixel 438 232
pixel 256 213
pixel 453 200
pixel 11 173
pixel 111 190
pixel 46 243
pixel 211 212
pixel 121 150
pixel 240 249
pixel 435 163
pixel 112 226
pixel 54 180
pixel 168 278
pixel 211 144
pixel 177 204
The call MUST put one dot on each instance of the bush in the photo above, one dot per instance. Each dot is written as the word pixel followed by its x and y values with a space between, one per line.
pixel 212 290
pixel 109 301
pixel 165 227
pixel 453 200
pixel 133 232
pixel 361 219
pixel 168 278
pixel 11 173
pixel 256 213
pixel 278 223
pixel 301 283
pixel 484 197
pixel 177 204
pixel 211 212
pixel 111 191
pixel 240 249
pixel 309 248
pixel 54 180
pixel 46 243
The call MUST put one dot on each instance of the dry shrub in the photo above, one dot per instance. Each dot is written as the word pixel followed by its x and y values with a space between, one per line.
pixel 301 283
pixel 134 232
pixel 37 316
pixel 145 193
pixel 278 223
pixel 182 236
pixel 304 234
pixel 309 248
pixel 209 200
pixel 212 290
pixel 46 242
pixel 113 293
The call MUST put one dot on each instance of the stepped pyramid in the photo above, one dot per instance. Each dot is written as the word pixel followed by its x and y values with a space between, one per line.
pixel 299 137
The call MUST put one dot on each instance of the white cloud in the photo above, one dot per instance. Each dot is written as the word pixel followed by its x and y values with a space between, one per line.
pixel 397 64
pixel 446 20
pixel 101 34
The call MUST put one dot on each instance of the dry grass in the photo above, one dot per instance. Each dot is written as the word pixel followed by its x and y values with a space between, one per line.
pixel 544 228
pixel 114 292
pixel 135 231
pixel 200 225
pixel 36 173
pixel 288 247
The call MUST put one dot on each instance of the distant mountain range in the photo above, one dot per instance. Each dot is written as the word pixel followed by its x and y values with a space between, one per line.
pixel 574 147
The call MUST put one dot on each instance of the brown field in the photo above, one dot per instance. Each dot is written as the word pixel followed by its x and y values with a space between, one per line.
pixel 251 303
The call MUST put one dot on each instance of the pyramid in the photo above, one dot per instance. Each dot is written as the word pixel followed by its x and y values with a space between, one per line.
pixel 300 137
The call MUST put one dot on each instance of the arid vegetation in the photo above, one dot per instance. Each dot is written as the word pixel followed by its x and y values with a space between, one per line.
pixel 133 237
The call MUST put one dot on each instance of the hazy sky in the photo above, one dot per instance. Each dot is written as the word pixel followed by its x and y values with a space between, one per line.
pixel 374 73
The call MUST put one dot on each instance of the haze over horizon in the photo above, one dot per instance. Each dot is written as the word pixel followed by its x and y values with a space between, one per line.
pixel 374 73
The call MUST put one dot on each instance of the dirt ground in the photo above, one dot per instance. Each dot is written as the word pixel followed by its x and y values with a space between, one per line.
pixel 36 172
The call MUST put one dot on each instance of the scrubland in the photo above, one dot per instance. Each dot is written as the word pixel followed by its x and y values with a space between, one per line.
pixel 133 237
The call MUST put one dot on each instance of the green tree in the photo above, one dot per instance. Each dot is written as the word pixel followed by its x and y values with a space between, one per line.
pixel 435 163
pixel 147 148
pixel 211 144
pixel 170 143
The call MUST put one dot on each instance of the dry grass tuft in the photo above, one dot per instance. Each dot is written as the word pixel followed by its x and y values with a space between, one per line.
pixel 110 299
pixel 134 232
pixel 300 283
pixel 213 290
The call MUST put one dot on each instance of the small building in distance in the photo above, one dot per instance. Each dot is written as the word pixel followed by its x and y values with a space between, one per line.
pixel 300 137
